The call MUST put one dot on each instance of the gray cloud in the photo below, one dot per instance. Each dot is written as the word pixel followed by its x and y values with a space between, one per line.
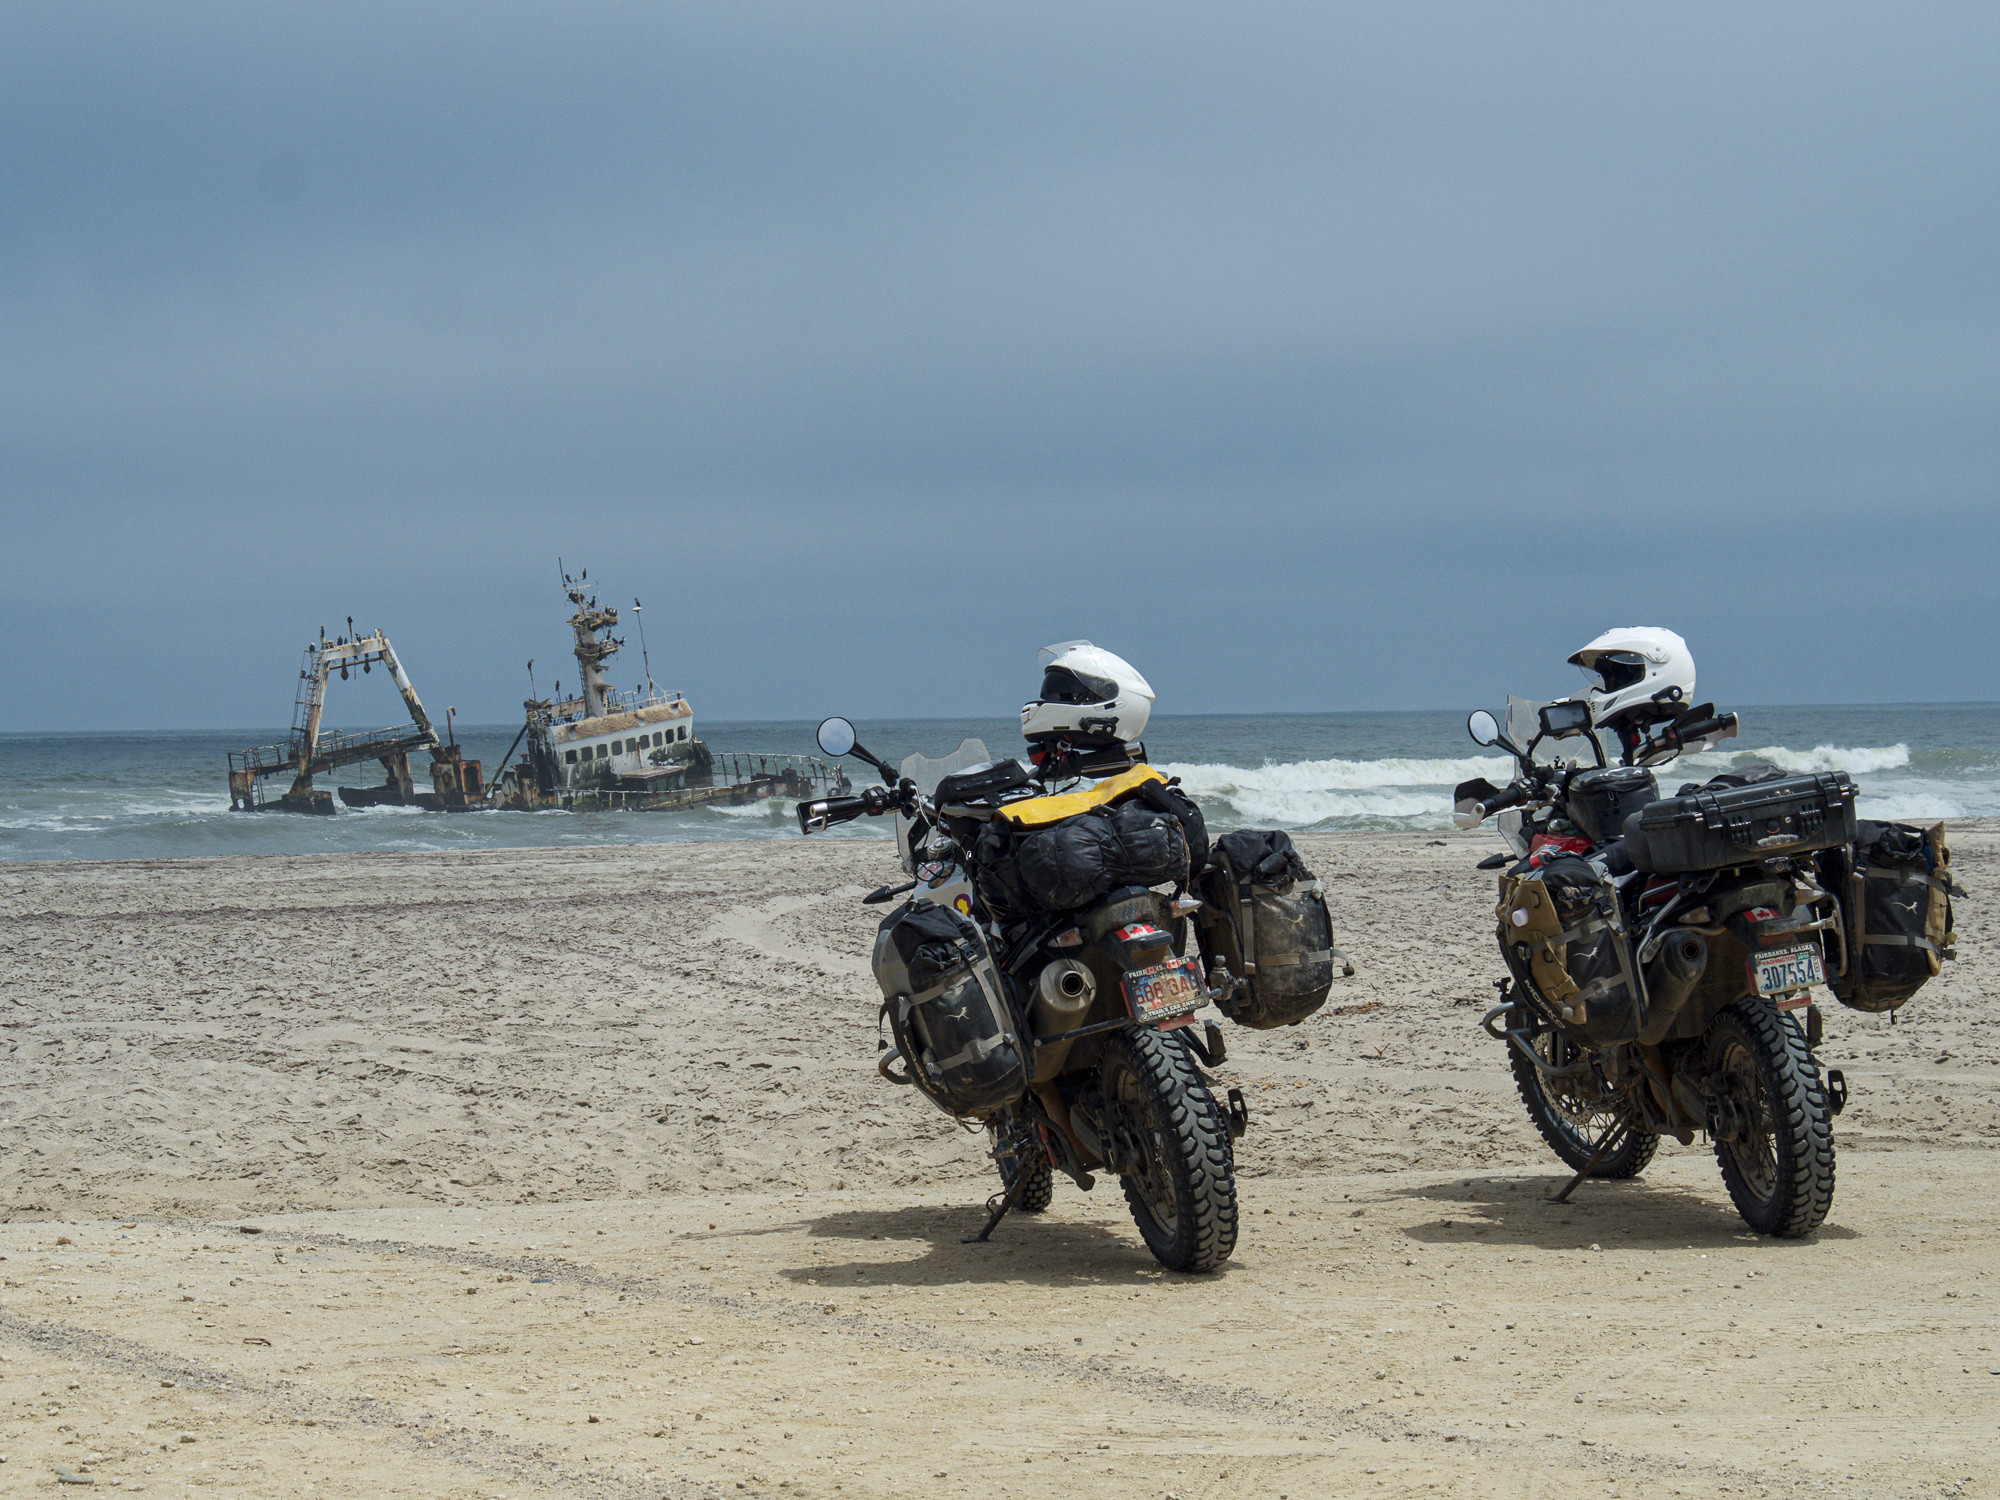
pixel 1315 358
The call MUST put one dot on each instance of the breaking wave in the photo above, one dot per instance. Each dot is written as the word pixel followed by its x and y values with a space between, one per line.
pixel 1834 758
pixel 1390 793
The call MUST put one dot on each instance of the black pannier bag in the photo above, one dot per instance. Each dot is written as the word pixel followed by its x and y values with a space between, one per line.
pixel 943 995
pixel 1895 891
pixel 1264 916
pixel 1719 826
pixel 1565 939
pixel 1600 801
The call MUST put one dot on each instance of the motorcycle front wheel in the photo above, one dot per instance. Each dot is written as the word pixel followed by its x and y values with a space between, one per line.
pixel 1778 1160
pixel 1011 1143
pixel 1569 1112
pixel 1172 1141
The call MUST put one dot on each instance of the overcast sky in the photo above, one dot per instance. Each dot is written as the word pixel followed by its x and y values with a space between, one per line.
pixel 1313 357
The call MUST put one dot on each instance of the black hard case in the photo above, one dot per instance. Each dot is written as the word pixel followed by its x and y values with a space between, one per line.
pixel 1600 801
pixel 1711 830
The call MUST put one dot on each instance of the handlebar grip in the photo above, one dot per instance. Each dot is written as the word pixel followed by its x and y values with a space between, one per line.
pixel 1513 796
pixel 822 814
pixel 1701 728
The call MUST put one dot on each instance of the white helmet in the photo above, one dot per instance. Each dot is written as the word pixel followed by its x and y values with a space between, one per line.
pixel 1087 694
pixel 1637 673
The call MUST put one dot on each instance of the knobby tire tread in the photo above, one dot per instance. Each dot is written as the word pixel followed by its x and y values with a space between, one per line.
pixel 1203 1164
pixel 1802 1121
pixel 1040 1191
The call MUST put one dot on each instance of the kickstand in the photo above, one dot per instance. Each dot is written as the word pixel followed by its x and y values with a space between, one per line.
pixel 1595 1157
pixel 996 1207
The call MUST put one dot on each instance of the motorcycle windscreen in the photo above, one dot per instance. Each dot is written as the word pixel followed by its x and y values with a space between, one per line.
pixel 927 772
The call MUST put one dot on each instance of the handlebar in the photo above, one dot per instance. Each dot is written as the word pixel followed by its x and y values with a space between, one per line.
pixel 820 815
pixel 1702 728
pixel 1513 796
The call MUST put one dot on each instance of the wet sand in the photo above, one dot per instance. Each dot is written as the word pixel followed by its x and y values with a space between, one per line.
pixel 534 1137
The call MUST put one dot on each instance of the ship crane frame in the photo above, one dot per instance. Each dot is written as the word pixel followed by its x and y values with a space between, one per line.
pixel 310 751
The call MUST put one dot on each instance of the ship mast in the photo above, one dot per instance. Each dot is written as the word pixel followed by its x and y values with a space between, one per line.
pixel 591 650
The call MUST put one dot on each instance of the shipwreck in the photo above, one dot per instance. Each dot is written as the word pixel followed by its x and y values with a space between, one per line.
pixel 599 750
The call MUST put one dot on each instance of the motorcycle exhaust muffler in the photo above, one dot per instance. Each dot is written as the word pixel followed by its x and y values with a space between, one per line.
pixel 1670 979
pixel 1063 995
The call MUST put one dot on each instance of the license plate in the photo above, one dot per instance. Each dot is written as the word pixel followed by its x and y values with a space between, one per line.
pixel 1789 969
pixel 1166 991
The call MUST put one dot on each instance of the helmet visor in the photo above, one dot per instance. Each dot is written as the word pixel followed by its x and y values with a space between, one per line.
pixel 1062 685
pixel 1613 670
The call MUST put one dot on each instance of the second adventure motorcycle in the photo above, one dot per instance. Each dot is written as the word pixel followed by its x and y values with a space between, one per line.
pixel 1662 952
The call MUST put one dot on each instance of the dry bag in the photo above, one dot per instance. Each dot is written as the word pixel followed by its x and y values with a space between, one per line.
pixel 1264 916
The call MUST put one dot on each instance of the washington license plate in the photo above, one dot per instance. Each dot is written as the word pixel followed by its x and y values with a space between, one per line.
pixel 1786 970
pixel 1166 992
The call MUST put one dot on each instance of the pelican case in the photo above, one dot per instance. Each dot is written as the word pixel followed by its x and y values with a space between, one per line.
pixel 1264 916
pixel 1564 938
pixel 1720 826
pixel 948 1010
pixel 1600 801
pixel 1895 890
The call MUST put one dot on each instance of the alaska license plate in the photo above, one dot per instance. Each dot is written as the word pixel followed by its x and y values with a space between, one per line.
pixel 1166 992
pixel 1786 970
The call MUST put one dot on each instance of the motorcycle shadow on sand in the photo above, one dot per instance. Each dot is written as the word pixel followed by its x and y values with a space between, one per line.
pixel 1637 1213
pixel 922 1247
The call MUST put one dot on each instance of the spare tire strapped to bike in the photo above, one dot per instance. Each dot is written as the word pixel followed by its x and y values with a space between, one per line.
pixel 1264 917
pixel 943 996
pixel 1566 914
pixel 1896 910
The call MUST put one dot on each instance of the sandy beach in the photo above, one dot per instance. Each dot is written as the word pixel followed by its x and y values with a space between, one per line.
pixel 568 1172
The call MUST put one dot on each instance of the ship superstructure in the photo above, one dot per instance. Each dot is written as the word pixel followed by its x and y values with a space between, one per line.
pixel 602 740
pixel 598 749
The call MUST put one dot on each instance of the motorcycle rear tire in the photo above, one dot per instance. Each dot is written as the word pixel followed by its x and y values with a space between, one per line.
pixel 1780 1175
pixel 1183 1191
pixel 1571 1134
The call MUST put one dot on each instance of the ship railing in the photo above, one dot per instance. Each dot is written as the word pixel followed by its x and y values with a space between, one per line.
pixel 733 766
pixel 335 746
pixel 625 703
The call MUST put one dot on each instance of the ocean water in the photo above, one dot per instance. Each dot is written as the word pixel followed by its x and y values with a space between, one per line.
pixel 165 795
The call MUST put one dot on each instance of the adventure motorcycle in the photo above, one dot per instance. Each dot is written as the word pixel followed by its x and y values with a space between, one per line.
pixel 1069 1034
pixel 1660 954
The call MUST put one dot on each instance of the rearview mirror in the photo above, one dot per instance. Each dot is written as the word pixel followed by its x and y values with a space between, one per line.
pixel 1561 720
pixel 836 737
pixel 1484 728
